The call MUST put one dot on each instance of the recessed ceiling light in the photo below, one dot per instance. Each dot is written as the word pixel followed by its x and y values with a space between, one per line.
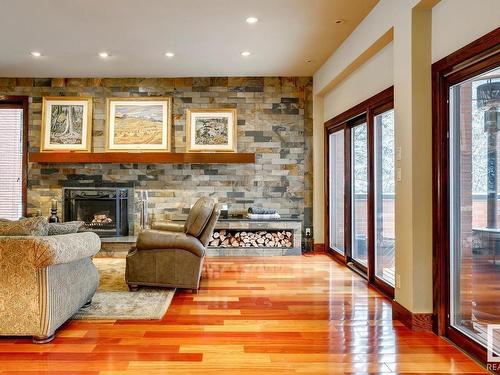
pixel 339 21
pixel 103 55
pixel 170 54
pixel 35 53
pixel 245 53
pixel 252 20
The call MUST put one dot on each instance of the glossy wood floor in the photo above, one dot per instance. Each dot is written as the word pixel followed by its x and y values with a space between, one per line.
pixel 304 315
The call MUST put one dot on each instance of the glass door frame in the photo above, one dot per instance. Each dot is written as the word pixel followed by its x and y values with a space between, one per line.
pixel 379 282
pixel 351 260
pixel 337 253
pixel 365 112
pixel 472 60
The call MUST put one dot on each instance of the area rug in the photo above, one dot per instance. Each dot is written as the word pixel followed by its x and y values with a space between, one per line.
pixel 114 301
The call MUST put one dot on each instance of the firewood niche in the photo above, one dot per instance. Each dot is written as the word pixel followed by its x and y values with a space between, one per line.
pixel 258 238
pixel 236 236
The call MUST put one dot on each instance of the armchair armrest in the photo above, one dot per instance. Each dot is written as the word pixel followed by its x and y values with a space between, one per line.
pixel 168 226
pixel 158 239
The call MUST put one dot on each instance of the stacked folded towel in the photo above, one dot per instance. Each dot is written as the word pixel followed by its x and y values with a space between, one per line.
pixel 264 216
pixel 261 213
pixel 262 210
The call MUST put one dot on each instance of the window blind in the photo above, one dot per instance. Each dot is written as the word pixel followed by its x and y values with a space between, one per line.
pixel 11 163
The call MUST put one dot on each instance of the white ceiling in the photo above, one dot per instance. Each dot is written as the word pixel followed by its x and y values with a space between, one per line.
pixel 207 36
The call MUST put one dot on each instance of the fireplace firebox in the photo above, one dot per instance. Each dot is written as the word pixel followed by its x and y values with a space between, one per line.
pixel 104 210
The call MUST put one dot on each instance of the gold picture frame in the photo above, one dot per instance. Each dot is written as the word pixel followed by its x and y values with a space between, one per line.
pixel 211 130
pixel 138 124
pixel 66 124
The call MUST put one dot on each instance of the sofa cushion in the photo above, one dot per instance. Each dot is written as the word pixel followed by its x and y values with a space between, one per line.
pixel 198 216
pixel 33 226
pixel 65 228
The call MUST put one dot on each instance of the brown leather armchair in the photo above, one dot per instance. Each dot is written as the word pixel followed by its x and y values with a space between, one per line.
pixel 171 255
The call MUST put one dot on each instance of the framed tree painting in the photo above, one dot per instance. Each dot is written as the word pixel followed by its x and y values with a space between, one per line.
pixel 66 124
pixel 138 124
pixel 211 130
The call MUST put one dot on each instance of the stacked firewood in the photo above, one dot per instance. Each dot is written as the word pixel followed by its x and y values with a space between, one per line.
pixel 263 238
pixel 101 219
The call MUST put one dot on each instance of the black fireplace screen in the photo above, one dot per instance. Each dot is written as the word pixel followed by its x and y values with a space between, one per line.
pixel 104 211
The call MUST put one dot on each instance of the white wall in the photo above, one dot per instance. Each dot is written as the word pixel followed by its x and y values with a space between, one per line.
pixel 364 38
pixel 382 18
pixel 456 23
pixel 372 77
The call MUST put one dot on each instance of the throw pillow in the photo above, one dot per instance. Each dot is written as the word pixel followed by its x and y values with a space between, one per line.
pixel 64 228
pixel 33 226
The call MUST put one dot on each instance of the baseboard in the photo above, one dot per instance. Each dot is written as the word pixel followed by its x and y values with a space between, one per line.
pixel 419 322
pixel 319 248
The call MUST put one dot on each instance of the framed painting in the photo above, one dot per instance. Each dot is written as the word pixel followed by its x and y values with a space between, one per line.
pixel 211 130
pixel 66 124
pixel 138 124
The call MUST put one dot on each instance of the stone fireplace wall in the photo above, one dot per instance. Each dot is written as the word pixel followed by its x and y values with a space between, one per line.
pixel 274 121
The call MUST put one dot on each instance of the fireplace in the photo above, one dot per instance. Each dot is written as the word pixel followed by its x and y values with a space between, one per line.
pixel 104 210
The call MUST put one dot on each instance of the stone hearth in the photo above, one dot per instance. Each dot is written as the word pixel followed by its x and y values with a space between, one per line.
pixel 118 246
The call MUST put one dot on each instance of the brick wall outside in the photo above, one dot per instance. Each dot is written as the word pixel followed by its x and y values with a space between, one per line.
pixel 274 121
pixel 466 203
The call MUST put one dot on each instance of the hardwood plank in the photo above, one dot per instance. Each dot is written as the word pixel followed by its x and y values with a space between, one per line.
pixel 312 316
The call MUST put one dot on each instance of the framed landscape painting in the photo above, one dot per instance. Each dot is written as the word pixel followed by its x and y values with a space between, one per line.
pixel 138 124
pixel 66 124
pixel 211 130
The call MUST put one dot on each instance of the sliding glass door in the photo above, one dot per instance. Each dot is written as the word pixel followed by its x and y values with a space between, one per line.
pixel 361 189
pixel 336 191
pixel 474 155
pixel 359 194
pixel 361 186
pixel 466 200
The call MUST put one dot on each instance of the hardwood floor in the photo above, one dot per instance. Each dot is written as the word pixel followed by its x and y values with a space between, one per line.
pixel 304 315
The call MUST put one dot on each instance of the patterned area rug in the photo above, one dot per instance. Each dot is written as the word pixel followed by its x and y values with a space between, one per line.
pixel 114 301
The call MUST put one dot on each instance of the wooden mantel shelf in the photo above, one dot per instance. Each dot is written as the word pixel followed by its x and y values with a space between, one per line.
pixel 142 157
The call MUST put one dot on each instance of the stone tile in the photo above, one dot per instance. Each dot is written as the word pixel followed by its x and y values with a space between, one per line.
pixel 274 120
pixel 24 82
pixel 42 82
